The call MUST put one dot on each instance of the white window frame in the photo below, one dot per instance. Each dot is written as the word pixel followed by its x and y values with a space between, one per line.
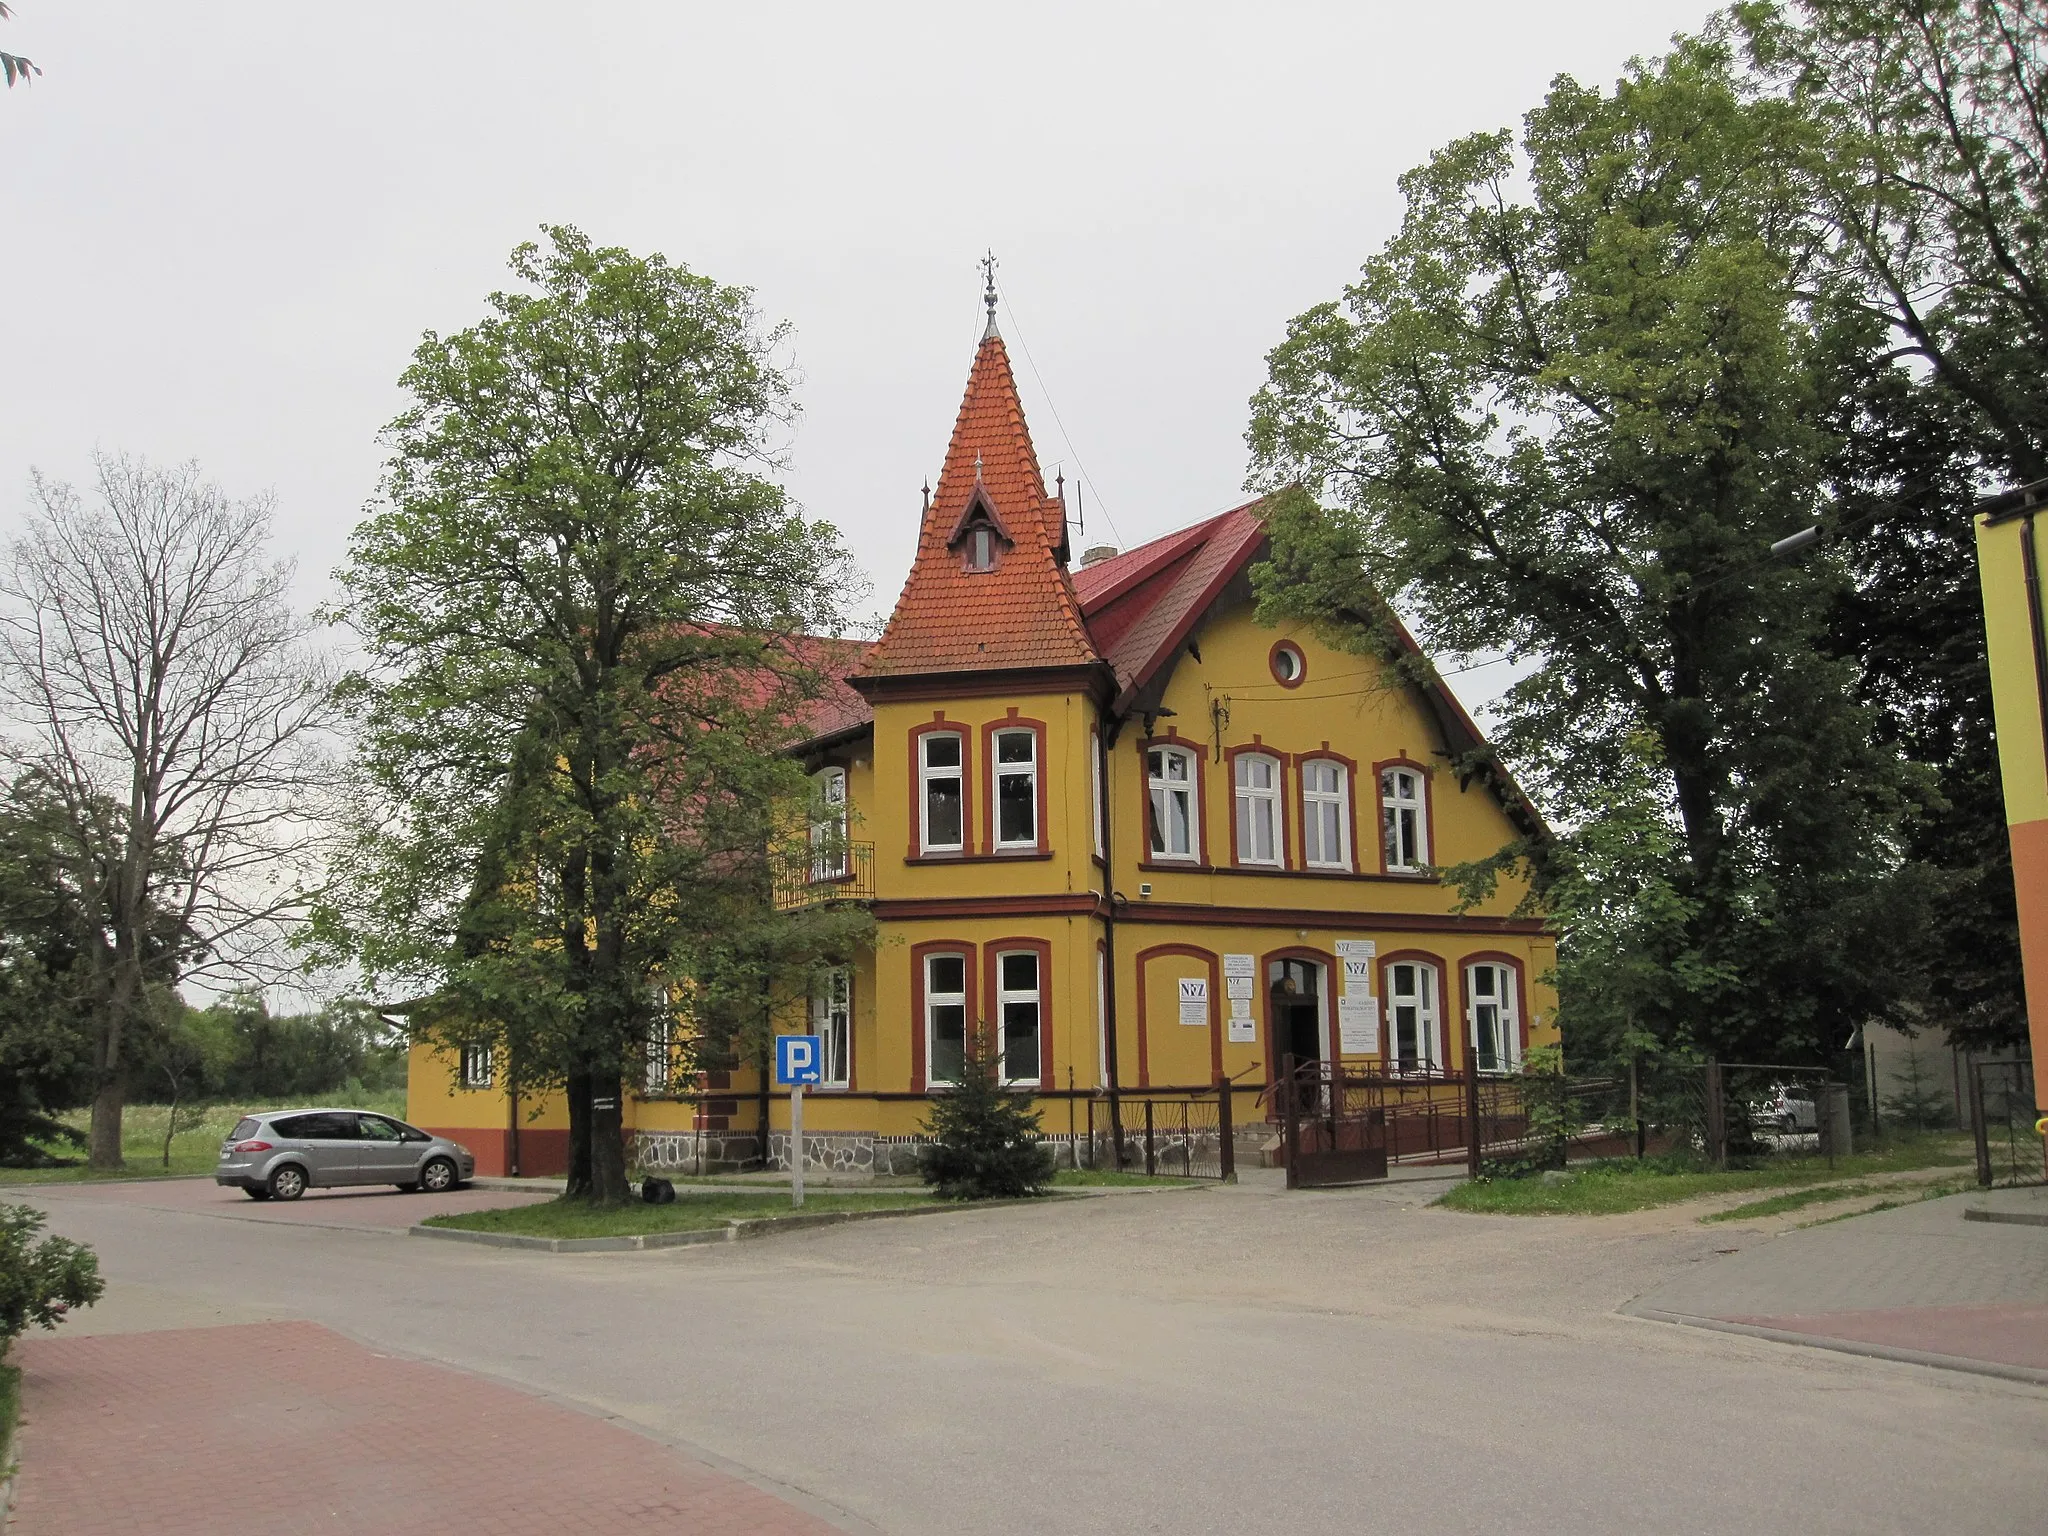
pixel 1321 805
pixel 1247 802
pixel 660 1046
pixel 927 775
pixel 1161 789
pixel 981 546
pixel 474 1068
pixel 828 832
pixel 999 771
pixel 1507 1017
pixel 933 1001
pixel 832 1023
pixel 1429 1005
pixel 1095 780
pixel 1393 806
pixel 1034 996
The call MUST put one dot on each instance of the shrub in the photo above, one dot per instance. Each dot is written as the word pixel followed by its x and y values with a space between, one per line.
pixel 40 1281
pixel 984 1138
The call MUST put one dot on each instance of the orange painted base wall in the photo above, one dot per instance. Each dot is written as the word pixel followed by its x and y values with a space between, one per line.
pixel 543 1154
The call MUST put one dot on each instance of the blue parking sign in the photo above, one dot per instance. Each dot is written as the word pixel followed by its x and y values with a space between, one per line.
pixel 797 1059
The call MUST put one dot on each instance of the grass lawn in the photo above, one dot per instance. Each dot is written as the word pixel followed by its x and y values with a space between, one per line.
pixel 196 1147
pixel 689 1213
pixel 1622 1184
pixel 1083 1178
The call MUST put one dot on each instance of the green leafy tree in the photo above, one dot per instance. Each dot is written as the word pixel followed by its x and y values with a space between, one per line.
pixel 1565 424
pixel 40 1281
pixel 46 1038
pixel 583 599
pixel 984 1137
pixel 13 67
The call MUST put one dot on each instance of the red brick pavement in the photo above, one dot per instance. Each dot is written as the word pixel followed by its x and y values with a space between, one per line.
pixel 2005 1333
pixel 281 1429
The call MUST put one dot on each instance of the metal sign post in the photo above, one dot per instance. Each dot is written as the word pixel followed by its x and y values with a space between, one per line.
pixel 797 1060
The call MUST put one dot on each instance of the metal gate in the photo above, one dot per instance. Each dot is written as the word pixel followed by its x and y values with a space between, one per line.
pixel 2002 1116
pixel 1343 1126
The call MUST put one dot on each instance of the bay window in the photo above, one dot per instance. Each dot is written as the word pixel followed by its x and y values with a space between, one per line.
pixel 1017 1005
pixel 1016 789
pixel 1325 815
pixel 942 797
pixel 945 1018
pixel 1170 773
pixel 1258 809
pixel 1405 821
pixel 832 1023
pixel 1414 1042
pixel 1492 1017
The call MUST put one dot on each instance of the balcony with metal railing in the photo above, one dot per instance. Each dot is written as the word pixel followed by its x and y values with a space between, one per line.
pixel 814 877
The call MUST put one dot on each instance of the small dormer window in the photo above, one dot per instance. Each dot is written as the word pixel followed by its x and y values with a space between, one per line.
pixel 981 549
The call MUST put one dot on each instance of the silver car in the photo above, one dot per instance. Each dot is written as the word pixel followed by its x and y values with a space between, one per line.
pixel 278 1154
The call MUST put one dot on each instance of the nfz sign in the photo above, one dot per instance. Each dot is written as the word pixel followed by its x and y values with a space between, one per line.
pixel 797 1060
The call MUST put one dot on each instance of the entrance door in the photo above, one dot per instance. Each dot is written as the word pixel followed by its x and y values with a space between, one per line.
pixel 1297 1010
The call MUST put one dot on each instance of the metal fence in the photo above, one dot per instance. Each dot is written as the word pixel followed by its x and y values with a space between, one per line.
pixel 2002 1115
pixel 1182 1133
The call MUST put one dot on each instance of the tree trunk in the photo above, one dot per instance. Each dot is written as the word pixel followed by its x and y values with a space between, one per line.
pixel 103 1146
pixel 577 1087
pixel 607 1143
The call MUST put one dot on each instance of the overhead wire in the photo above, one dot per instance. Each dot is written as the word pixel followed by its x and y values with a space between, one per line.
pixel 1102 506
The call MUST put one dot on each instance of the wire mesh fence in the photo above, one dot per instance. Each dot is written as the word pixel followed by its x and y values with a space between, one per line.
pixel 2002 1116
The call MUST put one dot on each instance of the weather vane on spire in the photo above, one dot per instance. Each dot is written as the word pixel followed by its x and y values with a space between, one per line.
pixel 988 293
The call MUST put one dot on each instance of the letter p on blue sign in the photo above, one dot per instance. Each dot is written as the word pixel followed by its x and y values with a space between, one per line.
pixel 797 1060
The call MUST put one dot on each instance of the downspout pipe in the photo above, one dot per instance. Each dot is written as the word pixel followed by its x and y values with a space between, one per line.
pixel 1109 901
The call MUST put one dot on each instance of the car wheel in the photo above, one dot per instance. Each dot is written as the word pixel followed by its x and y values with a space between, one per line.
pixel 438 1177
pixel 257 1193
pixel 289 1182
pixel 409 1189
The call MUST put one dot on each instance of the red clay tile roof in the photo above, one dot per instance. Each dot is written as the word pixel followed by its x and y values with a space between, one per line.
pixel 1140 605
pixel 1024 612
pixel 837 709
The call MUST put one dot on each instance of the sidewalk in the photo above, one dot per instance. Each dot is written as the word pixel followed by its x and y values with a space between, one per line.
pixel 1921 1283
pixel 278 1429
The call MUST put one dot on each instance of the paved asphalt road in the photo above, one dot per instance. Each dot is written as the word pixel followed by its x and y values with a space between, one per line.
pixel 1220 1360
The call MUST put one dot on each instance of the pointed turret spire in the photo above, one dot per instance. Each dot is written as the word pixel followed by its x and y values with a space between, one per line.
pixel 996 599
pixel 988 294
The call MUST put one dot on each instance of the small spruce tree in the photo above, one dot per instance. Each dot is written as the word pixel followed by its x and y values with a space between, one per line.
pixel 984 1138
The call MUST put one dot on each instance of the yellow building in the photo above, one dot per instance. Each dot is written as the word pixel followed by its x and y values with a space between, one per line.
pixel 2010 574
pixel 1101 811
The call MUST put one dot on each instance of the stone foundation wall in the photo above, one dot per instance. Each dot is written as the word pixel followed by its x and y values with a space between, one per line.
pixel 697 1151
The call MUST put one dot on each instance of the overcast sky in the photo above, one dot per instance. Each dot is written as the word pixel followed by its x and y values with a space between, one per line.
pixel 227 223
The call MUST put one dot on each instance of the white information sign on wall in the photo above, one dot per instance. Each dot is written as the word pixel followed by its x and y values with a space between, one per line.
pixel 1194 1000
pixel 1238 987
pixel 1240 965
pixel 1244 1031
pixel 1240 1007
pixel 1358 1025
pixel 1357 976
pixel 1357 949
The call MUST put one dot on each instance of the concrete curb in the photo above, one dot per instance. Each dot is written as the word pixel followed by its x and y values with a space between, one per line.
pixel 737 1229
pixel 2031 1375
pixel 2011 1218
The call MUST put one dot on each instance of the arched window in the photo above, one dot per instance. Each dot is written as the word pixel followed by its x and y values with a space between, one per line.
pixel 1325 815
pixel 828 825
pixel 942 803
pixel 1018 1005
pixel 1170 772
pixel 1405 820
pixel 1258 809
pixel 1493 1016
pixel 1016 789
pixel 1414 1023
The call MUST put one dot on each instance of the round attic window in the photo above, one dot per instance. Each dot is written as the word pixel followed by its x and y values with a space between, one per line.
pixel 1287 664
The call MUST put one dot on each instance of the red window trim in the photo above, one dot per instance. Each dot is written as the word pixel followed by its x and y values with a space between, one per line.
pixel 1447 1036
pixel 1257 747
pixel 1263 992
pixel 1012 722
pixel 921 1025
pixel 1194 952
pixel 1301 760
pixel 1513 963
pixel 1273 658
pixel 991 952
pixel 939 725
pixel 1199 751
pixel 1379 812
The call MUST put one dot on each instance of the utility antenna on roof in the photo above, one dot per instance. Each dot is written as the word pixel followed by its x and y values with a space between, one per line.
pixel 988 294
